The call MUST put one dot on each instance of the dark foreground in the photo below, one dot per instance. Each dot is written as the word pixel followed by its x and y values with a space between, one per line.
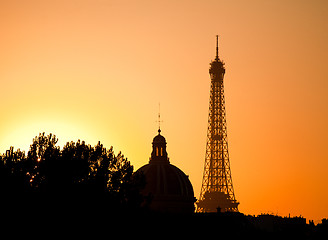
pixel 90 219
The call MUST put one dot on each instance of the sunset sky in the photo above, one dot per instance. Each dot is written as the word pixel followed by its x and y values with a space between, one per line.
pixel 97 70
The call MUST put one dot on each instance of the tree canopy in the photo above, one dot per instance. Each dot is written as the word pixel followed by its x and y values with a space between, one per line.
pixel 78 172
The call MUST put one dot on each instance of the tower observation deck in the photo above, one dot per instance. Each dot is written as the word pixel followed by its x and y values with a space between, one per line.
pixel 217 191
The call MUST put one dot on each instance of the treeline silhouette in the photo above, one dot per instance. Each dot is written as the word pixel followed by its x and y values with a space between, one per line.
pixel 80 187
pixel 77 175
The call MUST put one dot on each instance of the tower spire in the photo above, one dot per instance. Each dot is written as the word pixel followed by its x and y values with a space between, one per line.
pixel 217 47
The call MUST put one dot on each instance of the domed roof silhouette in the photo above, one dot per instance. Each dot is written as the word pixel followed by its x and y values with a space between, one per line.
pixel 166 179
pixel 168 188
pixel 159 138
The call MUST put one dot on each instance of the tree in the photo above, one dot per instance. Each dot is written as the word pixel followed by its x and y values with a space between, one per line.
pixel 13 178
pixel 42 160
pixel 78 171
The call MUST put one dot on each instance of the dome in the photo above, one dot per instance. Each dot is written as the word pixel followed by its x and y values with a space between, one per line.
pixel 169 180
pixel 159 138
pixel 167 186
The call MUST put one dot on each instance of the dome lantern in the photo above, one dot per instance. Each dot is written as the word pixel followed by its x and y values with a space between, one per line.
pixel 159 153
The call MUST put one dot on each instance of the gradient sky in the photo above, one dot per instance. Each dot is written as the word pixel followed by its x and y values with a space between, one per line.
pixel 97 69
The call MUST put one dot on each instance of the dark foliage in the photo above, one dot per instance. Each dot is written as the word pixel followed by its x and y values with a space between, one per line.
pixel 77 176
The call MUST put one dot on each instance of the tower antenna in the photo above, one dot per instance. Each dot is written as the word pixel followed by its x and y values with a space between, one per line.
pixel 217 47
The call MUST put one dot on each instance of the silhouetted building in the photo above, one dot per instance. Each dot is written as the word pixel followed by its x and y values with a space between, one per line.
pixel 217 192
pixel 167 188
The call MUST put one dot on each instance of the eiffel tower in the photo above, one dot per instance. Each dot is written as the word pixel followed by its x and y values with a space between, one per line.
pixel 217 192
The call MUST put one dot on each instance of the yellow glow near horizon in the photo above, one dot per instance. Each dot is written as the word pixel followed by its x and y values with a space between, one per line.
pixel 24 132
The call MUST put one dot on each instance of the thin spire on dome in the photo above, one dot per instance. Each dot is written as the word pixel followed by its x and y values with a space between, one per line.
pixel 159 118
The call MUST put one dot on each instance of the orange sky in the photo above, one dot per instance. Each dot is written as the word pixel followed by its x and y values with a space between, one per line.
pixel 97 69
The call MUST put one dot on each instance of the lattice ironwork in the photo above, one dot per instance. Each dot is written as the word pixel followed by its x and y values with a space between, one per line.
pixel 217 191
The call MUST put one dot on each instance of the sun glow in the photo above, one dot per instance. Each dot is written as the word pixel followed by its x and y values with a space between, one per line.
pixel 20 135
